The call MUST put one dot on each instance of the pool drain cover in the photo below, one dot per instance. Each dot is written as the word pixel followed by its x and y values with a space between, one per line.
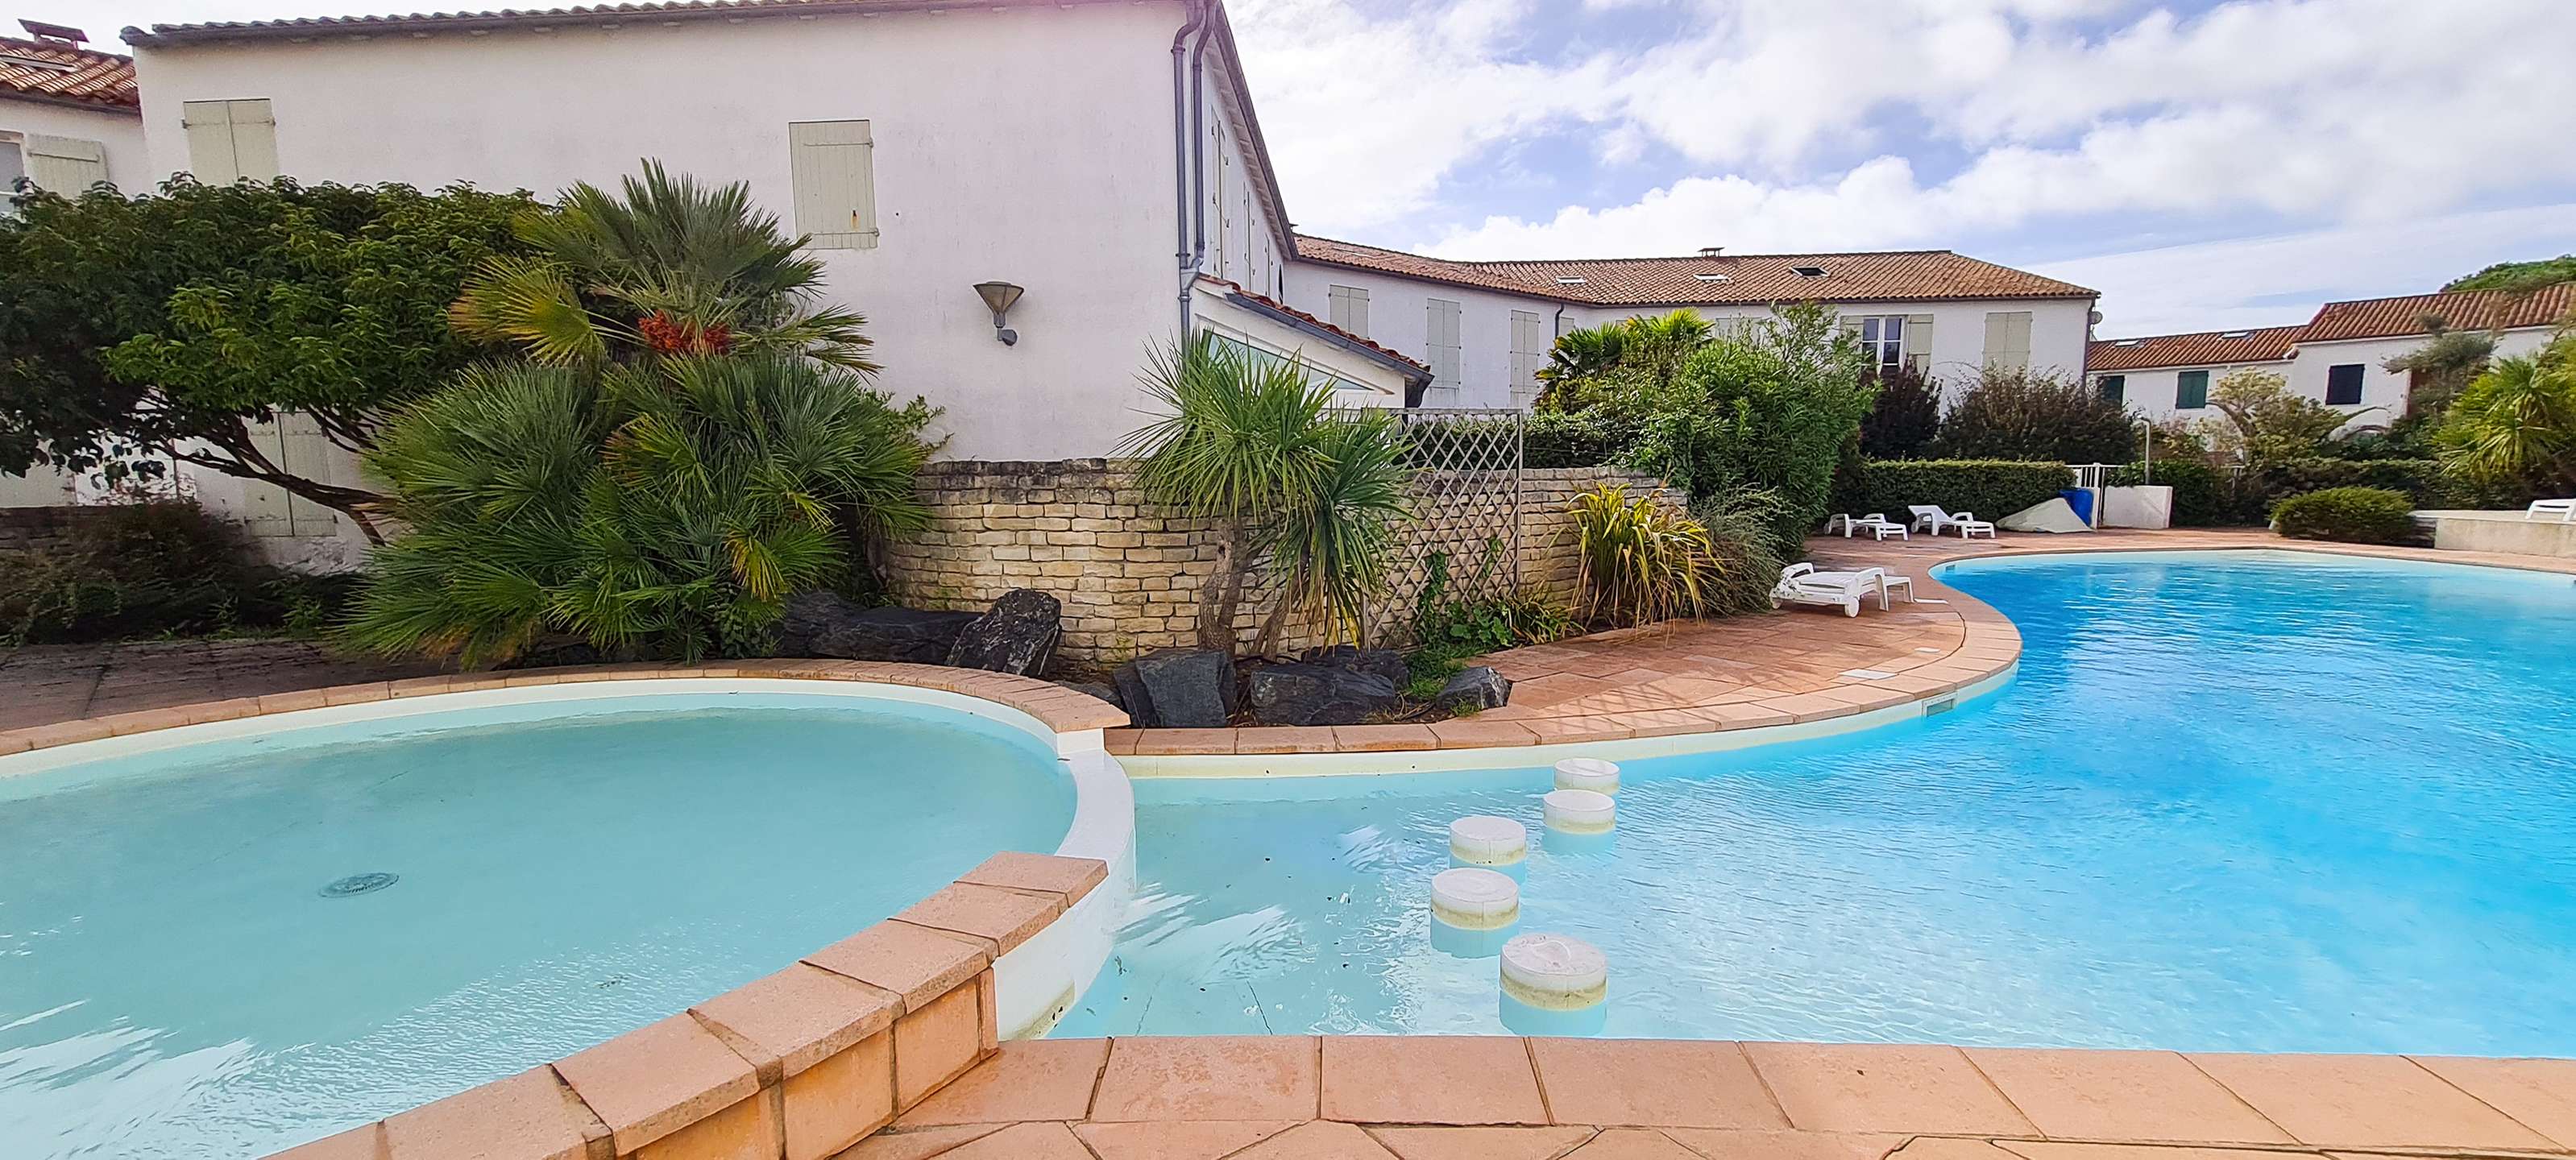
pixel 357 884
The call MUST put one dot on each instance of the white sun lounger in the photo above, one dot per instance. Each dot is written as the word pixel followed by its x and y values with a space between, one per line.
pixel 1930 518
pixel 1876 524
pixel 1802 584
pixel 2564 509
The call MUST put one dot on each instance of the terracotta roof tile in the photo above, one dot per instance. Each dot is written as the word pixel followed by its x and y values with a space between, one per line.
pixel 2204 348
pixel 1235 289
pixel 52 71
pixel 2462 310
pixel 1726 279
pixel 432 21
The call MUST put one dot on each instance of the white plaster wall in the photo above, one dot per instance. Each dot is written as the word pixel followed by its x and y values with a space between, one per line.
pixel 121 133
pixel 1399 319
pixel 1032 145
pixel 2151 393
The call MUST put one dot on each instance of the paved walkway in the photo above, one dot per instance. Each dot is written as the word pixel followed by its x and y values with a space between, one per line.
pixel 43 684
pixel 1477 1098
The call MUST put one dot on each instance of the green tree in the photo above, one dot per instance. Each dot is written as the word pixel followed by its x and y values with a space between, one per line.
pixel 1649 346
pixel 2261 421
pixel 665 267
pixel 1905 420
pixel 666 508
pixel 2519 277
pixel 173 321
pixel 2436 371
pixel 1253 446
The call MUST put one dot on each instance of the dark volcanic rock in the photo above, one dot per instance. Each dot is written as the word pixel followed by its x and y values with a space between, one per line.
pixel 1178 688
pixel 1383 662
pixel 1017 635
pixel 1479 688
pixel 820 624
pixel 1306 694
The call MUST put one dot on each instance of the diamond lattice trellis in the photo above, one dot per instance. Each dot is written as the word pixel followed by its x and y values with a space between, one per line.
pixel 1466 523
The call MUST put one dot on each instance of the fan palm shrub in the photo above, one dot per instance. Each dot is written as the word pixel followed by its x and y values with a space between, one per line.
pixel 665 508
pixel 2515 426
pixel 1253 445
pixel 1640 561
pixel 667 266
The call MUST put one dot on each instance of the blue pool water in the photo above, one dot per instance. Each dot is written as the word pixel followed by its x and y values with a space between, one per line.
pixel 2255 801
pixel 174 983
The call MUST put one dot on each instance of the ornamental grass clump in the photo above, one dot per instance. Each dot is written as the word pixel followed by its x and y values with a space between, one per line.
pixel 1641 561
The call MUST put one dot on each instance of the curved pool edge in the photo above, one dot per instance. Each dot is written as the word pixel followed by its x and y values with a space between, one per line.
pixel 806 1061
pixel 1984 661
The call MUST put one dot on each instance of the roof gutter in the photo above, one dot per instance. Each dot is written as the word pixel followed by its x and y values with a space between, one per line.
pixel 666 13
pixel 1183 85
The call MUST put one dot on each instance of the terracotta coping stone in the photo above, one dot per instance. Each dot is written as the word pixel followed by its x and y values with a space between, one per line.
pixel 1001 919
pixel 1071 878
pixel 789 1021
pixel 364 1142
pixel 914 963
pixel 528 1116
pixel 658 1079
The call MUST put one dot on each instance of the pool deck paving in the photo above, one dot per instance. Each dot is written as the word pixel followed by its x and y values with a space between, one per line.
pixel 1501 1098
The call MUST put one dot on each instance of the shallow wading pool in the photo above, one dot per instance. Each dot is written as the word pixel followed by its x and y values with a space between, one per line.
pixel 232 946
pixel 2260 801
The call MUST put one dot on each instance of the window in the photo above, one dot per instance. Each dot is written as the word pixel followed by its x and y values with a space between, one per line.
pixel 2343 385
pixel 1440 328
pixel 230 140
pixel 13 165
pixel 2114 388
pixel 1882 337
pixel 1350 309
pixel 2191 390
pixel 2008 340
pixel 1530 342
pixel 1809 271
pixel 832 168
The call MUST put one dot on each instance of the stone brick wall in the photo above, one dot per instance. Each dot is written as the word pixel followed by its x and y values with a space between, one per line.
pixel 23 528
pixel 1129 573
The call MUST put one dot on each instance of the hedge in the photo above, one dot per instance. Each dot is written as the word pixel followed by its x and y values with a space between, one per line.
pixel 1992 488
pixel 2361 515
pixel 2422 481
pixel 1558 439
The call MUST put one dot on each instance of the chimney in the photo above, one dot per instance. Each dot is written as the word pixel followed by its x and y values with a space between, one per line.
pixel 1711 251
pixel 54 33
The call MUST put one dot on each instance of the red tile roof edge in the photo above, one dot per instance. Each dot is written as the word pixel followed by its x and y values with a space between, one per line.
pixel 97 80
pixel 2196 348
pixel 1237 290
pixel 1885 276
pixel 301 26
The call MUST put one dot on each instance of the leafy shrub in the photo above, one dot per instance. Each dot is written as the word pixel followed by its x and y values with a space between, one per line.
pixel 2203 496
pixel 1572 439
pixel 2034 416
pixel 1641 561
pixel 2260 420
pixel 1739 526
pixel 1992 488
pixel 1466 628
pixel 2360 515
pixel 2514 428
pixel 154 569
pixel 1905 420
pixel 1769 405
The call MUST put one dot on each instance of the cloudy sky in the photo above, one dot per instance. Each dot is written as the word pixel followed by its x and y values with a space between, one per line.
pixel 2205 165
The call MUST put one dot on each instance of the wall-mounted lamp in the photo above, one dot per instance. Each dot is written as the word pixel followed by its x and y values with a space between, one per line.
pixel 998 296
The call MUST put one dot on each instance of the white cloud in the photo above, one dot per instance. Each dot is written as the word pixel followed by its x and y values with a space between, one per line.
pixel 2279 280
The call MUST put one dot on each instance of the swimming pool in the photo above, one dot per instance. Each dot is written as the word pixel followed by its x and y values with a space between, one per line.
pixel 234 946
pixel 2256 801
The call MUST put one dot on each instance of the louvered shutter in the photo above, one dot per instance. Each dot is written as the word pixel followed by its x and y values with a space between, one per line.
pixel 833 166
pixel 65 165
pixel 2008 339
pixel 209 125
pixel 1918 344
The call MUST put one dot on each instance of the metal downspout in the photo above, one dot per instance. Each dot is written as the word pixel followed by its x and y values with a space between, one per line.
pixel 1181 145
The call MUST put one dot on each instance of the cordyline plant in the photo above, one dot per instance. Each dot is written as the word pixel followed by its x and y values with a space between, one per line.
pixel 1641 562
pixel 1254 446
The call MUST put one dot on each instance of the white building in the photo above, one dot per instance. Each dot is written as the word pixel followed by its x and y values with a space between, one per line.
pixel 69 119
pixel 2339 357
pixel 1485 328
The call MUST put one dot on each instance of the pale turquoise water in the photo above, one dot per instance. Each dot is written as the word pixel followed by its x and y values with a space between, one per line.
pixel 2264 802
pixel 173 984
